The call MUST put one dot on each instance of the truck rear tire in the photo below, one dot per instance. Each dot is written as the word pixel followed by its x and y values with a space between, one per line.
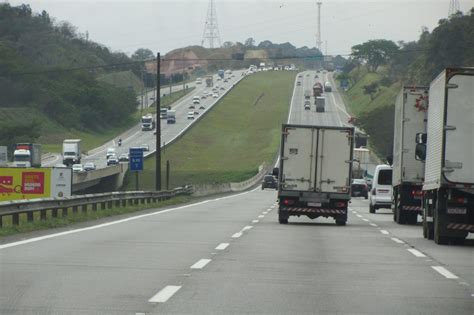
pixel 340 222
pixel 438 237
pixel 400 215
pixel 282 219
pixel 371 208
pixel 411 218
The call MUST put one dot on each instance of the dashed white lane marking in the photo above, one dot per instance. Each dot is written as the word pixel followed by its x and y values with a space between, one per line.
pixel 384 232
pixel 396 240
pixel 237 235
pixel 222 246
pixel 264 212
pixel 373 224
pixel 261 216
pixel 365 220
pixel 269 209
pixel 445 272
pixel 359 216
pixel 165 294
pixel 248 227
pixel 254 221
pixel 201 263
pixel 416 252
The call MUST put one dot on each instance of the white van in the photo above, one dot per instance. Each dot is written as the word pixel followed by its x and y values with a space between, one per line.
pixel 381 193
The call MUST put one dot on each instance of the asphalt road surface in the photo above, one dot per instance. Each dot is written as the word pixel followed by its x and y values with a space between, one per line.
pixel 228 254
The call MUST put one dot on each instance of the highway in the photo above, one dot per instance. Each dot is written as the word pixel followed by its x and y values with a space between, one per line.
pixel 135 136
pixel 228 255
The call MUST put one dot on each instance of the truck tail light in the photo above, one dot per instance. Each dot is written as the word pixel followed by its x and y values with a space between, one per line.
pixel 417 193
pixel 288 202
pixel 340 204
pixel 458 200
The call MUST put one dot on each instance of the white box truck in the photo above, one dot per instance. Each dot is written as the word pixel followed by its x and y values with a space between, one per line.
pixel 71 151
pixel 148 122
pixel 407 172
pixel 315 172
pixel 448 151
pixel 27 155
pixel 171 116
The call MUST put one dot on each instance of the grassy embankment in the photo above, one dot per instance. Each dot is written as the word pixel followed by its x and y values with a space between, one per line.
pixel 240 133
pixel 53 133
pixel 375 113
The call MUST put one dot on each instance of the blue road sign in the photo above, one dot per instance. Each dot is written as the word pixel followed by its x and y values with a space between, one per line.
pixel 136 159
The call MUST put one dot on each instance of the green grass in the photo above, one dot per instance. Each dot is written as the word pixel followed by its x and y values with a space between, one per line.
pixel 73 218
pixel 232 140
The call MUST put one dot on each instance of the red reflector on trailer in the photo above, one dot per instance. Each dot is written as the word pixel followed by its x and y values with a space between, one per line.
pixel 340 204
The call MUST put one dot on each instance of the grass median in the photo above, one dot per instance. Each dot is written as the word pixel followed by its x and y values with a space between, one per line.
pixel 240 133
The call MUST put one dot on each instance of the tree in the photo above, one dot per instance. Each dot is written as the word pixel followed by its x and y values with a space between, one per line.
pixel 375 52
pixel 143 54
pixel 249 42
pixel 227 44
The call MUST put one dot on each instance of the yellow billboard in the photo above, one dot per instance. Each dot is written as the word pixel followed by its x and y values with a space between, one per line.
pixel 24 183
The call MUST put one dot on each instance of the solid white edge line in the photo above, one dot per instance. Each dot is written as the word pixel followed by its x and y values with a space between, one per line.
pixel 201 263
pixel 384 232
pixel 164 294
pixel 237 235
pixel 416 252
pixel 222 246
pixel 445 272
pixel 45 237
pixel 396 240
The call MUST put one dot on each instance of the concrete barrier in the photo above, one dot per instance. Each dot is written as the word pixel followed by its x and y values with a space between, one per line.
pixel 211 189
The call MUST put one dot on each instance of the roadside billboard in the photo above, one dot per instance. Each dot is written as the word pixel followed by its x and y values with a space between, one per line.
pixel 30 183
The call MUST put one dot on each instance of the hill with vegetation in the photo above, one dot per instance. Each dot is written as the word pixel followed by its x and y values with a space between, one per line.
pixel 378 69
pixel 48 74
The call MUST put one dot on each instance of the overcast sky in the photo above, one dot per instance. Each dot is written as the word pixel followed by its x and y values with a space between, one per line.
pixel 159 25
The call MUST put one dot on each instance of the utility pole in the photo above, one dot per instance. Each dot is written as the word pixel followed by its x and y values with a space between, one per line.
pixel 454 8
pixel 158 126
pixel 318 36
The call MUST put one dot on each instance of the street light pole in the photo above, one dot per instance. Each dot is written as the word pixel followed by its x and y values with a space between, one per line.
pixel 158 126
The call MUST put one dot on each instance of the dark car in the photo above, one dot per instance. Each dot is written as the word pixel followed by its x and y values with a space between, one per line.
pixel 359 188
pixel 269 182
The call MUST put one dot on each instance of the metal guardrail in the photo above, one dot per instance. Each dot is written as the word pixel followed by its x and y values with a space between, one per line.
pixel 106 201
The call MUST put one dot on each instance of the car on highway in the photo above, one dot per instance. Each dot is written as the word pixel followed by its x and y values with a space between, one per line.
pixel 222 88
pixel 112 160
pixel 196 101
pixel 225 80
pixel 215 95
pixel 269 181
pixel 77 168
pixel 145 147
pixel 307 102
pixel 307 106
pixel 202 107
pixel 298 83
pixel 203 96
pixel 110 151
pixel 381 193
pixel 89 166
pixel 359 188
pixel 192 106
pixel 123 157
pixel 299 76
pixel 190 115
pixel 316 76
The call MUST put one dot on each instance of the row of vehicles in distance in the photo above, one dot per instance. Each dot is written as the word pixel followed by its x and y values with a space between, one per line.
pixel 317 93
pixel 432 167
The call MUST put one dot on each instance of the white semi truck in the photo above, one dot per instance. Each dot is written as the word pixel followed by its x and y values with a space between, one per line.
pixel 71 151
pixel 448 150
pixel 148 122
pixel 407 172
pixel 315 172
pixel 27 155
